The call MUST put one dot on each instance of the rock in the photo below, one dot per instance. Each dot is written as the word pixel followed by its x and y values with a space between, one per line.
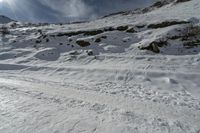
pixel 44 36
pixel 140 26
pixel 90 53
pixel 52 35
pixel 13 25
pixel 74 33
pixel 109 29
pixel 4 30
pixel 104 37
pixel 47 40
pixel 131 30
pixel 70 39
pixel 98 40
pixel 40 31
pixel 122 28
pixel 145 10
pixel 179 1
pixel 85 33
pixel 38 41
pixel 154 46
pixel 158 4
pixel 93 32
pixel 191 44
pixel 166 24
pixel 83 43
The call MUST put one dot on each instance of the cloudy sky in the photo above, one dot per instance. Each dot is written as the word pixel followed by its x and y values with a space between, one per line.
pixel 65 10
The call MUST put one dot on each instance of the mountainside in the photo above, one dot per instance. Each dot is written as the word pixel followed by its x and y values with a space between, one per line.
pixel 4 19
pixel 129 72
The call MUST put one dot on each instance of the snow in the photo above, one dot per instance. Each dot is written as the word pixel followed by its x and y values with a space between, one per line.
pixel 50 84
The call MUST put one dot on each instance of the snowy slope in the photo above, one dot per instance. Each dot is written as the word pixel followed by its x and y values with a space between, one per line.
pixel 4 19
pixel 134 72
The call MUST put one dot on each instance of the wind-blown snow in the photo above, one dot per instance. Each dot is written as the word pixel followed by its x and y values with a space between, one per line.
pixel 126 73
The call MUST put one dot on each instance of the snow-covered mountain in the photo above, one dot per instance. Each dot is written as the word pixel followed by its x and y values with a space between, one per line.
pixel 4 19
pixel 135 71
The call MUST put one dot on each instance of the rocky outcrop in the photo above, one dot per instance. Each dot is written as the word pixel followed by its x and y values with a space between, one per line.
pixel 83 43
pixel 166 24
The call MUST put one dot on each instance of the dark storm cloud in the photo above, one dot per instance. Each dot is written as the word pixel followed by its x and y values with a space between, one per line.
pixel 66 10
pixel 29 10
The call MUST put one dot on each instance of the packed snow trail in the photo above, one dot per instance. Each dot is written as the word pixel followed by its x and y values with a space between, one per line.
pixel 50 107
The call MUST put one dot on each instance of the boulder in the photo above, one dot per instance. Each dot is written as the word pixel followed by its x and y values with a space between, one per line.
pixel 83 43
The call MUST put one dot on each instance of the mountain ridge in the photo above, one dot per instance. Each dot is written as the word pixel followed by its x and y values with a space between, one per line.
pixel 4 19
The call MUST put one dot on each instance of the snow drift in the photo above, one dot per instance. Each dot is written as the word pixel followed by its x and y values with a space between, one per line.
pixel 135 71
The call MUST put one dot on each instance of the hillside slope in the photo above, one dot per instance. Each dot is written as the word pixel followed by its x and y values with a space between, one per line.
pixel 4 19
pixel 135 71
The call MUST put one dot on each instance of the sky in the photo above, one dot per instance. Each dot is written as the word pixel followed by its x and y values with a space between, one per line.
pixel 65 10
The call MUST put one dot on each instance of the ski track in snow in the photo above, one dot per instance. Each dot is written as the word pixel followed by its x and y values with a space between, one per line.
pixel 117 105
pixel 71 107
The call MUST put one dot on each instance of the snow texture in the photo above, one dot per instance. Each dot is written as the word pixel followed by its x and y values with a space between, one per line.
pixel 125 73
